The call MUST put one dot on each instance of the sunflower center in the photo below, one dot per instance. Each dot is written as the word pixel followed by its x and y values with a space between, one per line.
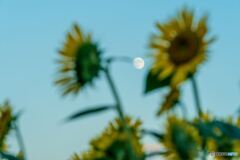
pixel 183 48
pixel 87 64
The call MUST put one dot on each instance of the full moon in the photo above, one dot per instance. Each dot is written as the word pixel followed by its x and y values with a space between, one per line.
pixel 138 63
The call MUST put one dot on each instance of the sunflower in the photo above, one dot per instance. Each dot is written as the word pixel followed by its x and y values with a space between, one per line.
pixel 170 101
pixel 238 121
pixel 6 118
pixel 180 47
pixel 80 61
pixel 226 138
pixel 113 143
pixel 181 139
pixel 219 135
pixel 223 145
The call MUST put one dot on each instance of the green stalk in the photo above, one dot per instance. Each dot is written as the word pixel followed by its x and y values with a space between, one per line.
pixel 198 108
pixel 119 59
pixel 204 156
pixel 20 140
pixel 119 109
pixel 196 96
pixel 115 95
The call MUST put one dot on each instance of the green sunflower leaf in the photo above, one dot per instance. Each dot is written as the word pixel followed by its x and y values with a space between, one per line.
pixel 154 134
pixel 86 112
pixel 207 129
pixel 228 129
pixel 153 82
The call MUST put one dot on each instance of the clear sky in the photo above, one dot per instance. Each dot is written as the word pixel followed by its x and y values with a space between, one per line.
pixel 31 32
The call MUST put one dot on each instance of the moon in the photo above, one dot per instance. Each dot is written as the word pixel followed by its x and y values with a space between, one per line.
pixel 138 63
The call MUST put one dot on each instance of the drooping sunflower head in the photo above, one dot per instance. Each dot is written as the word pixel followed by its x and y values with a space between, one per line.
pixel 181 139
pixel 6 118
pixel 80 61
pixel 114 142
pixel 180 47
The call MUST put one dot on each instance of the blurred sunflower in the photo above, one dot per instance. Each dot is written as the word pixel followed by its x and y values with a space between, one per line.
pixel 80 61
pixel 224 144
pixel 226 138
pixel 6 118
pixel 181 139
pixel 238 121
pixel 219 135
pixel 170 101
pixel 113 144
pixel 180 47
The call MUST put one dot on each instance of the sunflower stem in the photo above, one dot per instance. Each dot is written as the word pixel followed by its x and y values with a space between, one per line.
pixel 204 156
pixel 196 96
pixel 120 59
pixel 115 95
pixel 20 139
pixel 119 110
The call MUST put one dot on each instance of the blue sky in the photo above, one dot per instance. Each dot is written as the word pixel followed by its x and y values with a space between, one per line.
pixel 31 32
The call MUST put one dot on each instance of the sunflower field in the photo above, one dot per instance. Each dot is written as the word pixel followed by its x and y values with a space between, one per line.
pixel 177 50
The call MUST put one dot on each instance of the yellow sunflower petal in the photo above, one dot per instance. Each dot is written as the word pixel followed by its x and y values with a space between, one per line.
pixel 202 26
pixel 187 18
pixel 169 101
pixel 180 76
pixel 166 72
pixel 165 30
pixel 6 118
pixel 79 33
